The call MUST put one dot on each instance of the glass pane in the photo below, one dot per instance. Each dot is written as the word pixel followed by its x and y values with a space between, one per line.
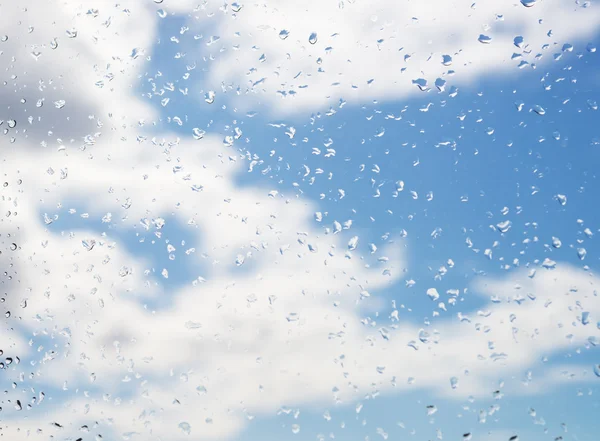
pixel 299 220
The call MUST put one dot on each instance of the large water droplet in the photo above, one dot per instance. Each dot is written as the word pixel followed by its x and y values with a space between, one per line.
pixel 284 34
pixel 485 39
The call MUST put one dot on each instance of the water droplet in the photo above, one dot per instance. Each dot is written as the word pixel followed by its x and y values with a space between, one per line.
pixel 284 34
pixel 183 426
pixel 433 294
pixel 431 409
pixel 13 246
pixel 4 38
pixel 198 133
pixel 590 48
pixel 518 41
pixel 12 123
pixel 209 97
pixel 562 199
pixel 504 226
pixel 581 253
pixel 539 110
pixel 446 60
pixel 312 38
pixel 88 244
pixel 528 3
pixel 585 318
pixel 597 370
pixel 236 7
pixel 454 382
pixel 352 243
pixel 556 243
pixel 485 39
pixel 71 33
pixel 53 44
pixel 59 104
pixel 295 429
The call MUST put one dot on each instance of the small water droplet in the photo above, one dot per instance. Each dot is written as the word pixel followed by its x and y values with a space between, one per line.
pixel 528 3
pixel 209 97
pixel 504 226
pixel 198 133
pixel 431 409
pixel 539 110
pixel 53 44
pixel 312 38
pixel 183 426
pixel 284 34
pixel 485 39
pixel 454 382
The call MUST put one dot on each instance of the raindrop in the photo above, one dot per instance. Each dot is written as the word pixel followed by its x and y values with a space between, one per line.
pixel 528 3
pixel 312 39
pixel 562 199
pixel 11 123
pixel 446 60
pixel 518 41
pixel 284 34
pixel 71 33
pixel 485 39
pixel 454 382
pixel 597 370
pixel 198 133
pixel 504 226
pixel 209 97
pixel 352 243
pixel 53 44
pixel 556 243
pixel 13 246
pixel 236 7
pixel 433 294
pixel 183 426
pixel 539 110
pixel 585 318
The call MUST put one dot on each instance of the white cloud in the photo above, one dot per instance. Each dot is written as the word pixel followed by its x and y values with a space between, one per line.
pixel 374 50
